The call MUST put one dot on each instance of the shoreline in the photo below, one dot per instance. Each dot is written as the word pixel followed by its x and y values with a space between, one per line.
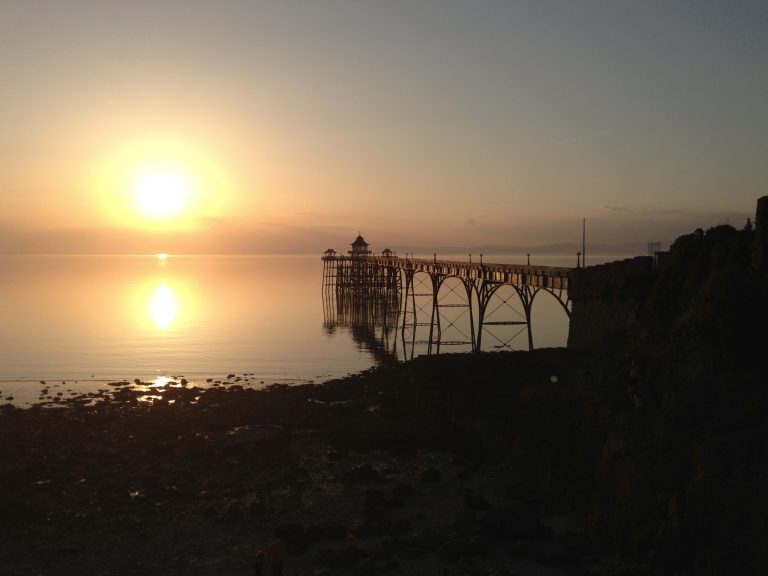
pixel 28 393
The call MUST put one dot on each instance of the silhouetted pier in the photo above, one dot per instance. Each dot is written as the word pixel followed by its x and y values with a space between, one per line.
pixel 447 302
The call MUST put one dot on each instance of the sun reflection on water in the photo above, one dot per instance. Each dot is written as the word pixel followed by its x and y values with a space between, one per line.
pixel 163 307
pixel 161 381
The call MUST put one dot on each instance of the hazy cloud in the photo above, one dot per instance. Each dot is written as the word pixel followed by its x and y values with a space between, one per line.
pixel 616 208
pixel 648 212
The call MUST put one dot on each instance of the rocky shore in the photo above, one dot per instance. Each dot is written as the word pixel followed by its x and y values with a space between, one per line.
pixel 405 469
pixel 506 463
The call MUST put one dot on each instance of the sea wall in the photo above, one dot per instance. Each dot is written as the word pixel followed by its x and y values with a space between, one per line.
pixel 606 299
pixel 760 248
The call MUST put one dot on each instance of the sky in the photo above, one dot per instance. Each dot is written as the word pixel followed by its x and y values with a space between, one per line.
pixel 290 126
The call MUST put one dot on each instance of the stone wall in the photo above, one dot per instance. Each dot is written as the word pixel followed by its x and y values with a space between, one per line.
pixel 606 299
pixel 760 248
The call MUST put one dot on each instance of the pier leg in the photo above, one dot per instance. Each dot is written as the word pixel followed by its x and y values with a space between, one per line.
pixel 468 286
pixel 527 294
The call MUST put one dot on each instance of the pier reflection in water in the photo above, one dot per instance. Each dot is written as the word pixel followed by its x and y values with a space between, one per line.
pixel 371 322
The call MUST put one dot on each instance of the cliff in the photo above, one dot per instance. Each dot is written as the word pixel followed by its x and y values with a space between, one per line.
pixel 704 300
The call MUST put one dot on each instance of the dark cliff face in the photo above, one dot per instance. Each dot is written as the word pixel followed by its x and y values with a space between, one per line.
pixel 705 301
pixel 606 300
pixel 680 480
pixel 707 304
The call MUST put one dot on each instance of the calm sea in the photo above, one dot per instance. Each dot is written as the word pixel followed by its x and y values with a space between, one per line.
pixel 79 322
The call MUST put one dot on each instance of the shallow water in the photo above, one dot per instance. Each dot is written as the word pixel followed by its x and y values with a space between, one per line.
pixel 80 322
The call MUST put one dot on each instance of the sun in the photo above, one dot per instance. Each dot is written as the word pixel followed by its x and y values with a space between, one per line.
pixel 161 193
pixel 161 183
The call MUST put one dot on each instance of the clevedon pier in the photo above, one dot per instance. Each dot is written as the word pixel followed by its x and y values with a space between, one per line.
pixel 397 305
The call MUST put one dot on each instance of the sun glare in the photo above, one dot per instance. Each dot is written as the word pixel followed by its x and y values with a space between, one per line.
pixel 161 194
pixel 161 182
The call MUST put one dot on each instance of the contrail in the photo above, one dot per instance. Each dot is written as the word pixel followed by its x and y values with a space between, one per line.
pixel 579 138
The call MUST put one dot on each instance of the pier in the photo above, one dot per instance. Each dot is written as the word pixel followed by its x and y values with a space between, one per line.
pixel 391 300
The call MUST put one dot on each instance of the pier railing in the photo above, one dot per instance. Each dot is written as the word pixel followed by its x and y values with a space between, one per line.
pixel 520 274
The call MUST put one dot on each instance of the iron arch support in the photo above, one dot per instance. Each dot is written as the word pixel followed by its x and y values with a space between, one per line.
pixel 566 305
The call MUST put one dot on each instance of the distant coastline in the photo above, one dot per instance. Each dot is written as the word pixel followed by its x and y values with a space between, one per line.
pixel 560 249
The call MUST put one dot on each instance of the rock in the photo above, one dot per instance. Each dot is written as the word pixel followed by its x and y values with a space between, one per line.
pixel 400 526
pixel 335 530
pixel 476 502
pixel 403 491
pixel 390 565
pixel 431 475
pixel 21 513
pixel 365 567
pixel 469 546
pixel 377 503
pixel 502 570
pixel 375 527
pixel 362 474
pixel 314 533
pixel 257 508
pixel 292 533
pixel 338 559
pixel 427 539
pixel 516 521
pixel 336 454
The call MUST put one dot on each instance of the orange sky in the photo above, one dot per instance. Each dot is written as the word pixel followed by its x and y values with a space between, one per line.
pixel 295 124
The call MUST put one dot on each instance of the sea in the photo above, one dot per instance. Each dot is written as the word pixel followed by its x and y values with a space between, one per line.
pixel 74 325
